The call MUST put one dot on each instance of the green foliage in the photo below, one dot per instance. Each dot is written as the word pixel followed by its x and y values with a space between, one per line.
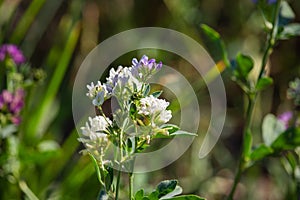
pixel 157 94
pixel 271 129
pixel 288 140
pixel 261 152
pixel 167 189
pixel 263 83
pixel 214 44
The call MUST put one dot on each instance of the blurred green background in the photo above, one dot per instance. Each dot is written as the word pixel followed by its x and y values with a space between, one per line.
pixel 57 35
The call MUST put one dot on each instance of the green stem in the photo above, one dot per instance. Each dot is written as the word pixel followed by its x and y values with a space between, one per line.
pixel 271 39
pixel 118 183
pixel 120 164
pixel 130 186
pixel 241 166
pixel 27 191
pixel 252 96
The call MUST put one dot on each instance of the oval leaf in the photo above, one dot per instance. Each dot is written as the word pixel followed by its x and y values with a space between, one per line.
pixel 263 83
pixel 271 129
pixel 261 152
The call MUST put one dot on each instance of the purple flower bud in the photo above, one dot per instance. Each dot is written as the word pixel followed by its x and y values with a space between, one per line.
pixel 285 118
pixel 16 120
pixel 7 96
pixel 144 60
pixel 13 52
pixel 159 66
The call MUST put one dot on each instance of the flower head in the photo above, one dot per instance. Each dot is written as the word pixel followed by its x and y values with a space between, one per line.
pixel 121 83
pixel 13 52
pixel 11 104
pixel 156 109
pixel 98 93
pixel 95 134
pixel 144 68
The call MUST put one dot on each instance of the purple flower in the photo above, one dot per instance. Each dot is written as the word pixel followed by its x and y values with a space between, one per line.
pixel 13 52
pixel 16 120
pixel 7 96
pixel 286 118
pixel 18 102
pixel 144 68
pixel 12 104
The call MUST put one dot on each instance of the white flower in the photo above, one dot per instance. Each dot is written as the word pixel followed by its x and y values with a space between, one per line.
pixel 96 127
pixel 98 93
pixel 156 109
pixel 122 83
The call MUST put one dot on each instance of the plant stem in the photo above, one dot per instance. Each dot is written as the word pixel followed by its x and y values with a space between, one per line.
pixel 271 40
pixel 120 164
pixel 253 96
pixel 242 157
pixel 118 184
pixel 130 195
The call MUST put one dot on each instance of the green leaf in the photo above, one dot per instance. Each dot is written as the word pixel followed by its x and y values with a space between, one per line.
pixel 166 187
pixel 157 94
pixel 109 177
pixel 183 133
pixel 214 44
pixel 153 195
pixel 147 90
pixel 289 31
pixel 271 129
pixel 171 128
pixel 261 152
pixel 286 13
pixel 27 191
pixel 96 166
pixel 244 65
pixel 187 197
pixel 247 144
pixel 176 191
pixel 26 20
pixel 288 140
pixel 37 120
pixel 139 195
pixel 263 83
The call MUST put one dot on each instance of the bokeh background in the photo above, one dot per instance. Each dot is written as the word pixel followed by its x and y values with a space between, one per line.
pixel 57 35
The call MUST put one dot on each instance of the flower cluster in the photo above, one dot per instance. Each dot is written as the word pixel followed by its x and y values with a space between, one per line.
pixel 13 52
pixel 17 77
pixel 139 113
pixel 156 109
pixel 95 134
pixel 11 106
